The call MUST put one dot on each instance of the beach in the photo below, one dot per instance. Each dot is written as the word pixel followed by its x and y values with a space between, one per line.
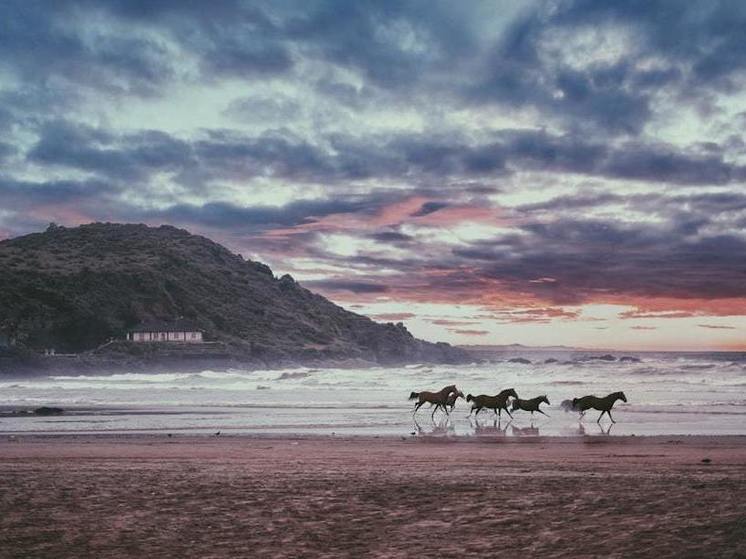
pixel 387 496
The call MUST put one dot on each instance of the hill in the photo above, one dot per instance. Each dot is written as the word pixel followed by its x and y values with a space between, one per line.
pixel 73 289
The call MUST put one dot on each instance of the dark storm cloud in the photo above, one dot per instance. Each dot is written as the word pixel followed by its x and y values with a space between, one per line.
pixel 429 207
pixel 699 46
pixel 391 237
pixel 18 194
pixel 229 216
pixel 588 259
pixel 359 287
pixel 706 36
pixel 224 154
pixel 126 157
pixel 93 43
pixel 376 37
pixel 40 40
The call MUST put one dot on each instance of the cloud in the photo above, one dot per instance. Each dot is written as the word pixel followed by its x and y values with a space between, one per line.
pixel 448 322
pixel 588 64
pixel 130 157
pixel 428 208
pixel 716 327
pixel 471 332
pixel 357 287
pixel 393 317
pixel 224 215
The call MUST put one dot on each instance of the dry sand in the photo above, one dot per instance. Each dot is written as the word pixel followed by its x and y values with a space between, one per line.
pixel 153 496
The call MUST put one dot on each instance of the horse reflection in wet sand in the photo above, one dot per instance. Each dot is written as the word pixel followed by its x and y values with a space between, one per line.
pixel 604 404
pixel 438 399
pixel 531 405
pixel 443 428
pixel 529 431
pixel 496 429
pixel 495 403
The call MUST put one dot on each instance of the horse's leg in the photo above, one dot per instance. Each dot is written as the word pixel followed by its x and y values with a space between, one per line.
pixel 509 414
pixel 417 406
pixel 612 419
pixel 600 416
pixel 542 413
pixel 432 416
pixel 478 410
pixel 499 413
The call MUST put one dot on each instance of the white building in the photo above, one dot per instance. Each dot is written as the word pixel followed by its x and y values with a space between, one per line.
pixel 180 331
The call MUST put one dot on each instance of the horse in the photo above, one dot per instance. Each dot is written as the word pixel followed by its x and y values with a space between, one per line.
pixel 495 403
pixel 451 400
pixel 438 398
pixel 531 405
pixel 604 404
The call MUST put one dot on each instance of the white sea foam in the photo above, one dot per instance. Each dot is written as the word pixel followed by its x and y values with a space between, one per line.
pixel 709 388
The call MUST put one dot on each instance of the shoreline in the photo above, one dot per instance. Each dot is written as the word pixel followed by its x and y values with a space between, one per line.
pixel 61 437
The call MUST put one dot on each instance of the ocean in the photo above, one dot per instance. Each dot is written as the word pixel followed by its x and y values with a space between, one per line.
pixel 668 394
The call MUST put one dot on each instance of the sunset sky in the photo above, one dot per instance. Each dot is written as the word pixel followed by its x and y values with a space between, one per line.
pixel 485 172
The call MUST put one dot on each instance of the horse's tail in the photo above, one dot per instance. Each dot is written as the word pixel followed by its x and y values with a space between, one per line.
pixel 414 395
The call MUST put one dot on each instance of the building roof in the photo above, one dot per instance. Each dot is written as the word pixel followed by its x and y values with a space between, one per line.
pixel 178 325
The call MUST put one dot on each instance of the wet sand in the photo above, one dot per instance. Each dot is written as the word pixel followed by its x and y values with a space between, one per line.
pixel 154 496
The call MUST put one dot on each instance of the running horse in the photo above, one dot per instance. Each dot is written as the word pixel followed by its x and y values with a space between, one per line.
pixel 495 403
pixel 604 404
pixel 451 400
pixel 440 398
pixel 531 405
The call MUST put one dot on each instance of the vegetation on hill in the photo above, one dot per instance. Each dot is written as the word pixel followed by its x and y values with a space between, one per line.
pixel 73 289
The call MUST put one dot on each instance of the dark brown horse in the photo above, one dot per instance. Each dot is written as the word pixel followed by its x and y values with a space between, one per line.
pixel 451 400
pixel 604 404
pixel 531 405
pixel 438 398
pixel 495 403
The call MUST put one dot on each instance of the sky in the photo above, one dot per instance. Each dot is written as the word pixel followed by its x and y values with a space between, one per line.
pixel 486 172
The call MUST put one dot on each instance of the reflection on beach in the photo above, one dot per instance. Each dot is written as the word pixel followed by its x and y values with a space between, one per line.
pixel 530 431
pixel 495 429
pixel 443 427
pixel 603 430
